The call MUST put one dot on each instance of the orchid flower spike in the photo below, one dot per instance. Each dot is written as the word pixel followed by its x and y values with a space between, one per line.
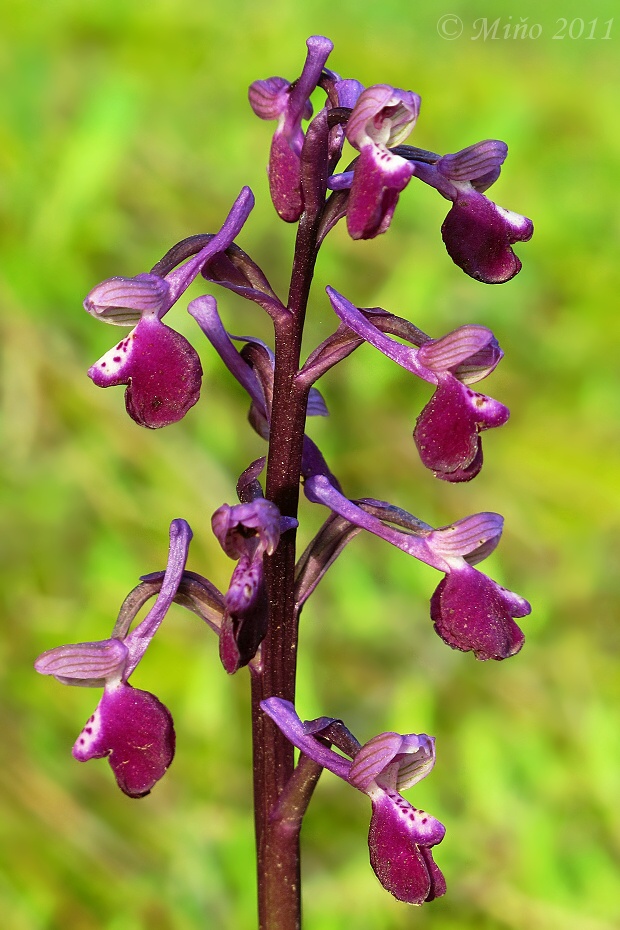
pixel 400 836
pixel 132 728
pixel 161 369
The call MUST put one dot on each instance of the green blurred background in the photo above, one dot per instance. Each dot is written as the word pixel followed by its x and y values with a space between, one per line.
pixel 125 127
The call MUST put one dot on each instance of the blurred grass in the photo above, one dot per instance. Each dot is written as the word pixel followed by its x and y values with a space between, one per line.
pixel 124 127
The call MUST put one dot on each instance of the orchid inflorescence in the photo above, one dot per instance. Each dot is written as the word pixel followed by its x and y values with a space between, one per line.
pixel 256 618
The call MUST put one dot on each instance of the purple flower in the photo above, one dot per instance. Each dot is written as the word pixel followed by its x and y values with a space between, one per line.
pixel 470 611
pixel 400 836
pixel 382 117
pixel 246 532
pixel 478 234
pixel 130 727
pixel 289 103
pixel 447 432
pixel 161 369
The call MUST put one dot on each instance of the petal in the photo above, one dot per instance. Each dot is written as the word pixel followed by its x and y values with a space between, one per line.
pixel 316 404
pixel 373 758
pixel 452 350
pixel 285 178
pixel 438 882
pixel 480 163
pixel 348 92
pixel 204 311
pixel 378 179
pixel 245 586
pixel 319 49
pixel 383 115
pixel 269 98
pixel 135 731
pixel 230 655
pixel 180 278
pixel 464 474
pixel 243 529
pixel 478 235
pixel 415 760
pixel 123 301
pixel 393 761
pixel 473 538
pixel 292 104
pixel 446 432
pixel 396 831
pixel 161 369
pixel 83 663
pixel 241 635
pixel 471 612
pixel 355 319
pixel 319 489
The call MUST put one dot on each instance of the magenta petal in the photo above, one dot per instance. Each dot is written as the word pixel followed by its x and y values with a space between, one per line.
pixel 480 163
pixel 269 98
pixel 478 235
pixel 123 301
pixel 471 612
pixel 161 369
pixel 245 585
pixel 285 178
pixel 241 635
pixel 397 830
pixel 473 538
pixel 244 528
pixel 84 663
pixel 438 882
pixel 378 179
pixel 446 432
pixel 464 474
pixel 450 352
pixel 135 731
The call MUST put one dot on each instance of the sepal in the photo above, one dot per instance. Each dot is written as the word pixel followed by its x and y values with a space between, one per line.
pixel 123 301
pixel 473 538
pixel 471 352
pixel 480 164
pixel 86 664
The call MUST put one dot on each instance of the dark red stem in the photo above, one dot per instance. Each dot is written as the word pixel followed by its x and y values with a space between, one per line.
pixel 277 840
